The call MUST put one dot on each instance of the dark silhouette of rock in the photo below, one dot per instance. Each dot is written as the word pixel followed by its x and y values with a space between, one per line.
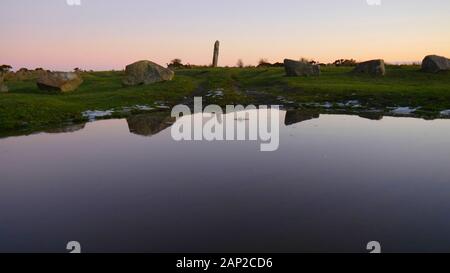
pixel 435 64
pixel 373 67
pixel 297 116
pixel 372 115
pixel 149 124
pixel 146 72
pixel 299 68
pixel 216 54
pixel 59 81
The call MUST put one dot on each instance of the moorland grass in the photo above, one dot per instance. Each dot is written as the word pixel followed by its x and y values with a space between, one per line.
pixel 26 108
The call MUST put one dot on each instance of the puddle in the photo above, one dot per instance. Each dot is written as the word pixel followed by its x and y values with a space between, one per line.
pixel 445 113
pixel 350 103
pixel 404 110
pixel 285 100
pixel 215 93
pixel 93 115
pixel 118 176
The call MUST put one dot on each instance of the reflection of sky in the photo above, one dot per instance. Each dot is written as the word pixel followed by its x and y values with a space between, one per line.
pixel 104 34
pixel 336 183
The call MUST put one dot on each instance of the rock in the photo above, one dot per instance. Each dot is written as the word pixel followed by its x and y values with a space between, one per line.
pixel 23 74
pixel 9 75
pixel 373 67
pixel 146 72
pixel 59 81
pixel 3 87
pixel 39 72
pixel 435 64
pixel 297 68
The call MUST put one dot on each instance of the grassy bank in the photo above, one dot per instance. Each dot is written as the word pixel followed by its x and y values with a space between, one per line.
pixel 26 109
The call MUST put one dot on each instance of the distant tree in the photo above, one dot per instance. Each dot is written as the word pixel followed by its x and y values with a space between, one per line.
pixel 175 63
pixel 278 64
pixel 304 60
pixel 345 62
pixel 264 63
pixel 5 68
pixel 240 63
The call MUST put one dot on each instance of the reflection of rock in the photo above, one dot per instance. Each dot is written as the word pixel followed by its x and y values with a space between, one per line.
pixel 296 116
pixel 59 81
pixel 67 129
pixel 435 64
pixel 373 67
pixel 146 72
pixel 296 68
pixel 372 115
pixel 149 124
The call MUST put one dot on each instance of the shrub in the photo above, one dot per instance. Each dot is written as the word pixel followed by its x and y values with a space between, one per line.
pixel 240 63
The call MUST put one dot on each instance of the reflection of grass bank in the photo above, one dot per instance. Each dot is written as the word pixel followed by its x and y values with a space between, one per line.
pixel 26 108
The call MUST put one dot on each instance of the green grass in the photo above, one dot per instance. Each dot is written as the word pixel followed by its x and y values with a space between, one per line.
pixel 26 108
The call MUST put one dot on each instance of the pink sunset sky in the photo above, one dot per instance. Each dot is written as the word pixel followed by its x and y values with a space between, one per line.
pixel 108 34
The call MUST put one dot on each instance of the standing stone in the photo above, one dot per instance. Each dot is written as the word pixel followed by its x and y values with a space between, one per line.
pixel 216 54
pixel 299 68
pixel 59 81
pixel 146 72
pixel 435 64
pixel 373 67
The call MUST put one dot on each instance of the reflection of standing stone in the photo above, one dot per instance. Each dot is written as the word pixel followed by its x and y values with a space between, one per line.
pixel 216 54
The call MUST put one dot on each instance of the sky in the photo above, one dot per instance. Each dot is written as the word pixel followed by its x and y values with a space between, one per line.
pixel 109 34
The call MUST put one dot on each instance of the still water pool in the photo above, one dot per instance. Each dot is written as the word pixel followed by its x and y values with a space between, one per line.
pixel 335 183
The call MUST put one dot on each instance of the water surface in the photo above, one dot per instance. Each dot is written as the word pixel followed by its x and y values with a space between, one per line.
pixel 336 183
